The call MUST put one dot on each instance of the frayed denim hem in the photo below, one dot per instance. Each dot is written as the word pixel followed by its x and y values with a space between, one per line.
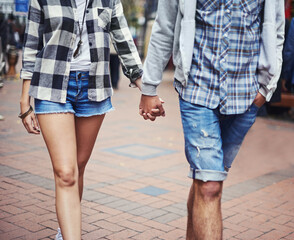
pixel 95 114
pixel 57 112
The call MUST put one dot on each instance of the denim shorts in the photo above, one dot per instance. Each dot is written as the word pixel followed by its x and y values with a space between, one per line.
pixel 212 140
pixel 77 101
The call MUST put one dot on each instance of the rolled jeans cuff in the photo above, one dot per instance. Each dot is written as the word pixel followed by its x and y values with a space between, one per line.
pixel 207 175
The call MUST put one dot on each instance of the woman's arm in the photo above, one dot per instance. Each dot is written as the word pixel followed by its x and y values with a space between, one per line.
pixel 123 43
pixel 33 43
pixel 33 39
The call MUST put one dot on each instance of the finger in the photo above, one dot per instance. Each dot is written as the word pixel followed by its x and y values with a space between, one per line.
pixel 141 111
pixel 30 127
pixel 29 122
pixel 35 122
pixel 155 112
pixel 145 116
pixel 162 111
pixel 26 126
pixel 152 118
pixel 161 100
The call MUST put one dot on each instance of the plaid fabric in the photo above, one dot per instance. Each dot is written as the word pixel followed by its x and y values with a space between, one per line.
pixel 225 59
pixel 50 37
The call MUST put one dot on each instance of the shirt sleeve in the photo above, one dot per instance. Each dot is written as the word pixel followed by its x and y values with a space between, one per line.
pixel 160 46
pixel 33 39
pixel 272 40
pixel 124 44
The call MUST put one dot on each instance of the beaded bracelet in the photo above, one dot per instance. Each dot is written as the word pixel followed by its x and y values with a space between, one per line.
pixel 23 116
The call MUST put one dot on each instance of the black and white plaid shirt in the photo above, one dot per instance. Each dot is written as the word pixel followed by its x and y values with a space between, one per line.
pixel 51 33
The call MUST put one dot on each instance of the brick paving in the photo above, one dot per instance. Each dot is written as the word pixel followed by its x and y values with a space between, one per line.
pixel 136 185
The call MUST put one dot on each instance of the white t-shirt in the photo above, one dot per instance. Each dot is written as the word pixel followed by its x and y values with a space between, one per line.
pixel 83 61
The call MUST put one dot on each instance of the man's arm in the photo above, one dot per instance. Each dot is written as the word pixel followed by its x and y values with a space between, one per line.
pixel 270 60
pixel 159 52
pixel 160 45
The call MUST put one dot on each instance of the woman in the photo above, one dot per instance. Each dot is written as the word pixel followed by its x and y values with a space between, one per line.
pixel 66 70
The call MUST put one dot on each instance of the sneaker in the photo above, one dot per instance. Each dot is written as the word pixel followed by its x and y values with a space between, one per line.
pixel 58 235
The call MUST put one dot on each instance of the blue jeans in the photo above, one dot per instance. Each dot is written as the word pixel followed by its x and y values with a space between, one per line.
pixel 77 101
pixel 212 140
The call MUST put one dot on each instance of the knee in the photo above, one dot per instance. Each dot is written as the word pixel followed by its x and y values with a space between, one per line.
pixel 66 177
pixel 210 191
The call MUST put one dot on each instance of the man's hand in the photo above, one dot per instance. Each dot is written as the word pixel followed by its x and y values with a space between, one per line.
pixel 259 100
pixel 151 107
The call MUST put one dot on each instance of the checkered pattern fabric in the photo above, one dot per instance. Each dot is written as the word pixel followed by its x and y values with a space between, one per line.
pixel 225 59
pixel 50 37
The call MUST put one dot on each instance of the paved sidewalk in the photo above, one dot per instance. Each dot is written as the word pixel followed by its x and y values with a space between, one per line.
pixel 136 185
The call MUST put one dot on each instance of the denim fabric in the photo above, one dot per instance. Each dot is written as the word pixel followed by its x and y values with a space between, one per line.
pixel 212 140
pixel 77 101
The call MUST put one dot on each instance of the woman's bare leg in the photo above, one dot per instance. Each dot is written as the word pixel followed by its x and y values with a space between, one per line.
pixel 60 137
pixel 87 129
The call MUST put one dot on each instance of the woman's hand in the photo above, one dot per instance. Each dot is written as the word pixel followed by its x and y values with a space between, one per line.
pixel 30 121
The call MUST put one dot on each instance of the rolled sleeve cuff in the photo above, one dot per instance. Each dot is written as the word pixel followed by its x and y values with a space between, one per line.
pixel 26 74
pixel 136 74
pixel 264 91
pixel 149 90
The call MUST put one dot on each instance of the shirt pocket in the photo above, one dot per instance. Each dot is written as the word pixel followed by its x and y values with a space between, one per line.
pixel 251 17
pixel 207 5
pixel 103 17
pixel 252 7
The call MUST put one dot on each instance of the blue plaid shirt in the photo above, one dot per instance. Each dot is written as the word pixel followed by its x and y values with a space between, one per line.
pixel 224 67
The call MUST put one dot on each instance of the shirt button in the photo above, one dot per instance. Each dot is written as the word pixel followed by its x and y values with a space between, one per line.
pixel 87 11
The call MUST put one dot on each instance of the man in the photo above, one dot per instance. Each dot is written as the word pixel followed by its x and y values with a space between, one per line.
pixel 228 57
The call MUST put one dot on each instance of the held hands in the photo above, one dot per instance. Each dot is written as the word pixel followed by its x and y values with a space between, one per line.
pixel 151 107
